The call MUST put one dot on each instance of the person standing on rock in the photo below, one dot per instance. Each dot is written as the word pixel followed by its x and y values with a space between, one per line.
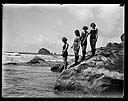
pixel 76 45
pixel 64 51
pixel 83 39
pixel 93 37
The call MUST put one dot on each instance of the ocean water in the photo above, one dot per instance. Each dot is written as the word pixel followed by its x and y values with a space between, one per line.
pixel 28 81
pixel 31 81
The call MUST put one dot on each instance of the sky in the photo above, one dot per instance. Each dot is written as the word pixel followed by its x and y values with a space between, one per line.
pixel 30 27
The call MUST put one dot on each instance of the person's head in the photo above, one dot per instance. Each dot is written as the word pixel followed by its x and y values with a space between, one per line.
pixel 93 25
pixel 77 33
pixel 85 28
pixel 64 39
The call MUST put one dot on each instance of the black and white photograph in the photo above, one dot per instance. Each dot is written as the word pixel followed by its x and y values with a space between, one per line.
pixel 63 50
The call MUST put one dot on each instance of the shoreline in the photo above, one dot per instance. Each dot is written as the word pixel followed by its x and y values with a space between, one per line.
pixel 36 53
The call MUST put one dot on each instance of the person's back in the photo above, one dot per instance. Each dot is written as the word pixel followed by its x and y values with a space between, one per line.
pixel 83 39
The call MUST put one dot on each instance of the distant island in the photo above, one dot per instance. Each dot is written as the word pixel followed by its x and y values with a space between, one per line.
pixel 44 51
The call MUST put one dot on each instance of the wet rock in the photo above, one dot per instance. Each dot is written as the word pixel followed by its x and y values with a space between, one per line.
pixel 57 68
pixel 59 86
pixel 11 63
pixel 17 55
pixel 36 60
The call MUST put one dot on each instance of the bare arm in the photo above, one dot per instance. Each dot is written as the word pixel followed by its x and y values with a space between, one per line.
pixel 96 34
pixel 81 37
pixel 79 42
pixel 86 37
pixel 72 45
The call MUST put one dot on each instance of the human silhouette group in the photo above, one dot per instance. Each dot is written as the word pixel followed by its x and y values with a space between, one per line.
pixel 81 40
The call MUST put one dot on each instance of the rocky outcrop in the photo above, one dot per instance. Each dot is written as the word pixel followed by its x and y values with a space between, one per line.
pixel 36 60
pixel 43 51
pixel 57 68
pixel 100 74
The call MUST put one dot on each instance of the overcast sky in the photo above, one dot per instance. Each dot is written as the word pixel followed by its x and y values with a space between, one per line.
pixel 27 28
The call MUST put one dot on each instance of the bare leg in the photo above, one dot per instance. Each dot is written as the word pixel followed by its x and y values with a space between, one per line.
pixel 76 52
pixel 83 52
pixel 65 62
pixel 93 44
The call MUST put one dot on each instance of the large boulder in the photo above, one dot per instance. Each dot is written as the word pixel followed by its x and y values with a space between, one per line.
pixel 102 73
pixel 43 51
pixel 57 68
pixel 90 81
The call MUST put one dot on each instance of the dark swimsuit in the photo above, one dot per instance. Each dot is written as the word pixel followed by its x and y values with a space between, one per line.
pixel 93 40
pixel 93 34
pixel 84 44
pixel 65 54
pixel 76 43
pixel 83 37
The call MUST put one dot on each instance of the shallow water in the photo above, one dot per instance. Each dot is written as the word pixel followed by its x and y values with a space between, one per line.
pixel 31 81
pixel 28 81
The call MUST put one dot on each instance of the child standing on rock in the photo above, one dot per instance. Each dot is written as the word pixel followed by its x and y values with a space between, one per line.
pixel 84 41
pixel 64 51
pixel 93 37
pixel 76 45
